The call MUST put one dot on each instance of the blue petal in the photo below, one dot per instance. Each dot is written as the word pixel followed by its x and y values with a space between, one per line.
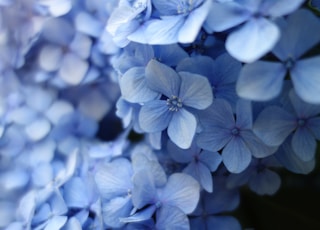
pixel 214 139
pixel 181 191
pixel 296 38
pixel 70 74
pixel 195 91
pixel 306 81
pixel 266 182
pixel 50 57
pixel 134 87
pixel 144 189
pixel 155 116
pixel 192 25
pixel 314 126
pixel 253 40
pixel 261 80
pixel 162 79
pixel 182 155
pixel 182 128
pixel 114 179
pixel 274 125
pixel 56 223
pixel 38 129
pixel 165 7
pixel 159 31
pixel 244 114
pixel 201 173
pixel 142 215
pixel 88 24
pixel 117 208
pixel 75 193
pixel 170 55
pixel 211 159
pixel 225 15
pixel 236 156
pixel 303 144
pixel 170 217
pixel 303 109
pixel 73 224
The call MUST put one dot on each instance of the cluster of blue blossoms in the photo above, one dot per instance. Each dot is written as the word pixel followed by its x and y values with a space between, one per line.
pixel 152 114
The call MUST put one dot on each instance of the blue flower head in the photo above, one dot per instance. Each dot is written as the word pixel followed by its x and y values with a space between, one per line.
pixel 181 92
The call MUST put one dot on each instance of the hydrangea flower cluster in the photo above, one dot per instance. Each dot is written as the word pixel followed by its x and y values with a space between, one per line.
pixel 152 114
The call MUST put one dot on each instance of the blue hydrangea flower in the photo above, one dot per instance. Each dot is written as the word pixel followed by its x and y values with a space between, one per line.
pixel 274 124
pixel 289 50
pixel 256 33
pixel 221 131
pixel 200 164
pixel 178 22
pixel 181 91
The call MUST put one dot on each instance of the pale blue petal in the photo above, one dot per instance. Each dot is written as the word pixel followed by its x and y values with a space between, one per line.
pixel 195 91
pixel 260 81
pixel 114 179
pixel 88 24
pixel 124 31
pixel 296 38
pixel 253 40
pixel 192 25
pixel 50 57
pixel 236 156
pixel 134 87
pixel 281 8
pixel 144 189
pixel 223 223
pixel 303 109
pixel 166 7
pixel 155 116
pixel 42 174
pixel 81 45
pixel 181 191
pixel 69 73
pixel 75 193
pixel 144 214
pixel 211 159
pixel 266 182
pixel 73 224
pixel 38 129
pixel 306 81
pixel 170 217
pixel 162 79
pixel 304 144
pixel 159 31
pixel 170 55
pixel 274 125
pixel 225 15
pixel 56 223
pixel 182 128
pixel 292 162
pixel 115 209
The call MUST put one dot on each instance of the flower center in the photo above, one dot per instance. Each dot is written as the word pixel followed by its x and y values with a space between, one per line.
pixel 185 6
pixel 289 63
pixel 174 103
pixel 235 131
pixel 301 122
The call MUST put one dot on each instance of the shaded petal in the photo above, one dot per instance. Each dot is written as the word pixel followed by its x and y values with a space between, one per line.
pixel 223 16
pixel 134 87
pixel 211 159
pixel 314 126
pixel 201 173
pixel 236 156
pixel 195 91
pixel 181 191
pixel 306 80
pixel 260 81
pixel 144 190
pixel 292 162
pixel 182 128
pixel 253 40
pixel 144 214
pixel 73 224
pixel 214 138
pixel 296 38
pixel 170 55
pixel 155 116
pixel 281 7
pixel 182 155
pixel 117 208
pixel 304 144
pixel 274 125
pixel 162 79
pixel 223 222
pixel 244 114
pixel 303 109
pixel 170 217
pixel 266 182
pixel 56 223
